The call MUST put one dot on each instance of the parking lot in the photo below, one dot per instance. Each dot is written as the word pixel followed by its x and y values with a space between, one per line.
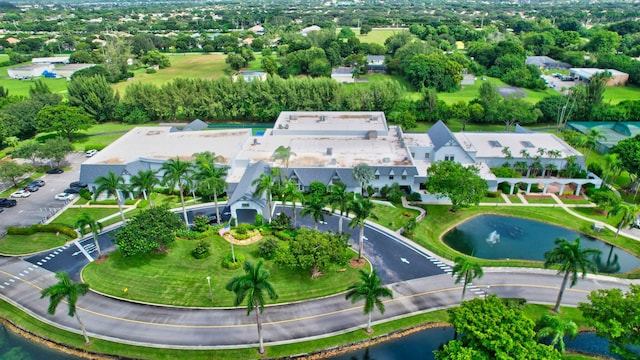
pixel 559 85
pixel 40 205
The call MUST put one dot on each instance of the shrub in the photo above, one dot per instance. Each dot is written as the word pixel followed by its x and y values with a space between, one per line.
pixel 200 223
pixel 228 263
pixel 85 194
pixel 268 248
pixel 285 235
pixel 46 228
pixel 151 71
pixel 414 196
pixel 259 219
pixel 504 172
pixel 492 194
pixel 595 168
pixel 189 234
pixel 143 204
pixel 282 221
pixel 202 250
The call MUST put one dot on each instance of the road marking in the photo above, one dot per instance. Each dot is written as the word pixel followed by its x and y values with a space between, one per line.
pixel 405 260
pixel 86 254
pixel 39 263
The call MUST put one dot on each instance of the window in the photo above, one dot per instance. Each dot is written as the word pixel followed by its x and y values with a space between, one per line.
pixel 449 158
pixel 390 177
pixel 426 155
pixel 495 143
pixel 527 144
pixel 404 177
pixel 377 177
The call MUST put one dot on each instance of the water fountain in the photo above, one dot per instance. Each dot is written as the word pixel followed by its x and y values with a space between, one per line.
pixel 493 238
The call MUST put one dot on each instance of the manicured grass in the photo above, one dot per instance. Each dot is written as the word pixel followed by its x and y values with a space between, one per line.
pixel 439 219
pixel 147 278
pixel 470 92
pixel 575 201
pixel 514 199
pixel 377 35
pixel 493 200
pixel 71 215
pixel 27 244
pixel 540 200
pixel 21 87
pixel 616 94
pixel 393 218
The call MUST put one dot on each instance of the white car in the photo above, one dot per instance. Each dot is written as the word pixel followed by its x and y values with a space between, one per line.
pixel 90 153
pixel 21 194
pixel 64 196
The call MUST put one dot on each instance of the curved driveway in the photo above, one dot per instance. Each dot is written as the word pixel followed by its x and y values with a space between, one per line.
pixel 419 283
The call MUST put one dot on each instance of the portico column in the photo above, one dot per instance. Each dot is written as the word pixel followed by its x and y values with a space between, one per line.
pixel 544 189
pixel 528 188
pixel 561 189
pixel 578 187
pixel 511 190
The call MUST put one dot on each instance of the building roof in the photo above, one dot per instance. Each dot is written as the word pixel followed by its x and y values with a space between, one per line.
pixel 331 122
pixel 545 61
pixel 342 71
pixel 245 187
pixel 375 57
pixel 159 143
pixel 587 73
pixel 196 125
pixel 309 29
pixel 74 67
pixel 31 67
pixel 491 144
pixel 441 135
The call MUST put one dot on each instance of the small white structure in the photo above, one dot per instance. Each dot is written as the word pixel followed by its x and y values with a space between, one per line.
pixel 29 71
pixel 51 60
pixel 309 29
pixel 249 76
pixel 343 75
pixel 67 70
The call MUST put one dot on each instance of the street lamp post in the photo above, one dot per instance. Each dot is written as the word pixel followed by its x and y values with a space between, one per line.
pixel 210 291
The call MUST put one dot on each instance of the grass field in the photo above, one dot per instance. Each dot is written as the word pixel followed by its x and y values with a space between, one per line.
pixel 147 278
pixel 616 94
pixel 377 35
pixel 27 244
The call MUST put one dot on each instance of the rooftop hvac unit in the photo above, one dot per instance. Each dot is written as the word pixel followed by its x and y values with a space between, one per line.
pixel 255 141
pixel 329 151
pixel 279 126
pixel 293 117
pixel 386 160
pixel 372 134
pixel 323 118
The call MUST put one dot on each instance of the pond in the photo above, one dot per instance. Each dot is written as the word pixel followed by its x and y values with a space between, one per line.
pixel 420 345
pixel 502 237
pixel 13 346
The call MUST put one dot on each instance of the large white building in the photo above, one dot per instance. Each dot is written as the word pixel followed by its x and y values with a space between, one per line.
pixel 326 147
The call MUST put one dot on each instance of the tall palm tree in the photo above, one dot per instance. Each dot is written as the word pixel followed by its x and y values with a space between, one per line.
pixel 292 193
pixel 144 183
pixel 283 154
pixel 571 259
pixel 175 173
pixel 613 165
pixel 339 199
pixel 628 213
pixel 370 290
pixel 361 209
pixel 591 140
pixel 95 227
pixel 210 176
pixel 67 290
pixel 264 186
pixel 314 207
pixel 466 270
pixel 554 326
pixel 112 185
pixel 251 286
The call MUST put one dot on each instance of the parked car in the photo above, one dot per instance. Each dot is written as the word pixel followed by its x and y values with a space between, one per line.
pixel 78 184
pixel 55 171
pixel 21 194
pixel 38 183
pixel 64 196
pixel 72 190
pixel 4 202
pixel 31 188
pixel 90 153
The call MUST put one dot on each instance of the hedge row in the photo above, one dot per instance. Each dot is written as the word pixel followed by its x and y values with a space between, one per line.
pixel 47 228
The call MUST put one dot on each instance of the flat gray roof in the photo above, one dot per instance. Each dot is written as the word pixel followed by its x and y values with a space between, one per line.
pixel 587 73
pixel 158 143
pixel 333 122
pixel 490 144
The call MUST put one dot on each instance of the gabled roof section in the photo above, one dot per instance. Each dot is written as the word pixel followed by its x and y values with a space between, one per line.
pixel 245 187
pixel 441 135
pixel 195 125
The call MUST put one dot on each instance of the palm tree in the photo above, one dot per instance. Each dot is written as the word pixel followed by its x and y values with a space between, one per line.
pixel 370 290
pixel 613 165
pixel 67 290
pixel 144 182
pixel 591 140
pixel 466 271
pixel 210 176
pixel 339 199
pixel 571 260
pixel 554 326
pixel 314 207
pixel 95 227
pixel 283 154
pixel 361 209
pixel 363 174
pixel 252 286
pixel 291 192
pixel 264 186
pixel 628 213
pixel 176 172
pixel 112 185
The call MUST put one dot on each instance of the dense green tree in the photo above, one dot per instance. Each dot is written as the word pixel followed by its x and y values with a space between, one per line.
pixel 628 151
pixel 466 270
pixel 154 57
pixel 63 119
pixel 95 95
pixel 12 171
pixel 86 220
pixel 365 29
pixel 55 149
pixel 66 290
pixel 435 71
pixel 150 230
pixel 29 149
pixel 462 185
pixel 252 286
pixel 513 110
pixel 18 116
pixel 614 316
pixel 314 251
pixel 570 259
pixel 116 54
pixel 143 183
pixel 314 207
pixel 603 41
pixel 291 192
pixel 490 330
pixel 369 289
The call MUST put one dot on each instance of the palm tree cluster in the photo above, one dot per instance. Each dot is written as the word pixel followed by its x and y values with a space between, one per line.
pixel 201 175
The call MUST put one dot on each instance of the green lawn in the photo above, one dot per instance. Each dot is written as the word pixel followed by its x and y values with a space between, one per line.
pixel 377 35
pixel 393 218
pixel 71 215
pixel 540 200
pixel 514 199
pixel 21 87
pixel 494 200
pixel 616 94
pixel 27 244
pixel 148 278
pixel 470 92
